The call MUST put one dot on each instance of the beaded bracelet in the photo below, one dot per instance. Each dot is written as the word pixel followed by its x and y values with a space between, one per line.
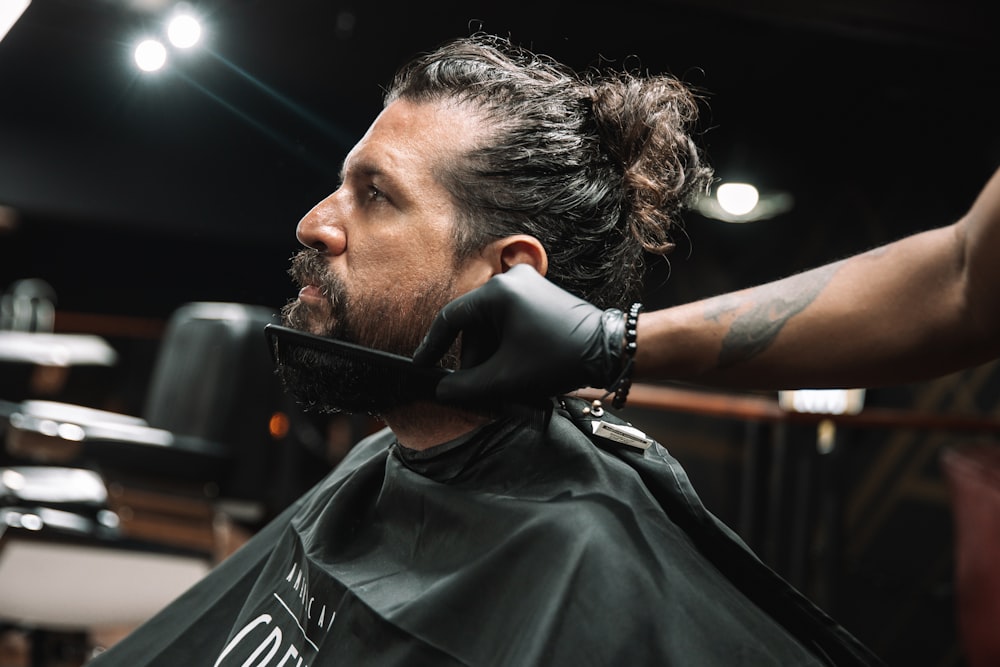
pixel 625 380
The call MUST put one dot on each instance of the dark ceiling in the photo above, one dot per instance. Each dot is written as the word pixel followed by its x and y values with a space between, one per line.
pixel 135 192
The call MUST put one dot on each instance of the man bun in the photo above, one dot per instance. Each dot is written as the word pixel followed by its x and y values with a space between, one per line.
pixel 645 125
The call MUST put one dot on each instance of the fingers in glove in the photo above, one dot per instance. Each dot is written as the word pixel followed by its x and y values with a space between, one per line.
pixel 447 324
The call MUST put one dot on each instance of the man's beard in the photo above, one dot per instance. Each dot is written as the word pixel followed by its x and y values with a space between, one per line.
pixel 325 382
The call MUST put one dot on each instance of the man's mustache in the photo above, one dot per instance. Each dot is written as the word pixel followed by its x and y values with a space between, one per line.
pixel 309 267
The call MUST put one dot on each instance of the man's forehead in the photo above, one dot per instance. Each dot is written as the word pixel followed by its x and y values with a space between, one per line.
pixel 410 136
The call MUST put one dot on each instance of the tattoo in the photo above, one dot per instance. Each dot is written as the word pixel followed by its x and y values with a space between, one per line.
pixel 753 332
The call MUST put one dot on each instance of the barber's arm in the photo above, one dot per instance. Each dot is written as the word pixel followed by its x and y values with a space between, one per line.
pixel 910 310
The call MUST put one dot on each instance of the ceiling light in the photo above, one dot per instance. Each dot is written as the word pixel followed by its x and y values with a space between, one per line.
pixel 737 198
pixel 742 202
pixel 184 31
pixel 150 55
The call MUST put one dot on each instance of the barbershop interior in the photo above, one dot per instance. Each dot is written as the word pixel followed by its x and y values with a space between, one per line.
pixel 152 173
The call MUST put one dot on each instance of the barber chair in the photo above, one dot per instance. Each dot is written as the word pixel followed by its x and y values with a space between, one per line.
pixel 106 517
pixel 67 562
pixel 34 361
pixel 973 476
pixel 206 424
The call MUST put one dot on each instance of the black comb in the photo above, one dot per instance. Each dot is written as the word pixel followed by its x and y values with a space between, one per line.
pixel 384 372
pixel 409 380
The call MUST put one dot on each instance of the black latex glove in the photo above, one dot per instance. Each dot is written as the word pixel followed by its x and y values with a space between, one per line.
pixel 524 338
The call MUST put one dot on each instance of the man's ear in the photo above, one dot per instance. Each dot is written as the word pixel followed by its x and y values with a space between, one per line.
pixel 520 249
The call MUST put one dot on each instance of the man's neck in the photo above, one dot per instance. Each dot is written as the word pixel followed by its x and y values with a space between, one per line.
pixel 423 425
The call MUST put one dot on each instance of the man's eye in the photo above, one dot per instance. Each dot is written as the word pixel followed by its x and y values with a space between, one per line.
pixel 375 194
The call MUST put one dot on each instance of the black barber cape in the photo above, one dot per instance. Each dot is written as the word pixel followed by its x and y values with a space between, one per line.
pixel 519 544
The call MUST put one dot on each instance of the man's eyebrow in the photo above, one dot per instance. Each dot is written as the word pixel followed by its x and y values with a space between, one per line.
pixel 363 168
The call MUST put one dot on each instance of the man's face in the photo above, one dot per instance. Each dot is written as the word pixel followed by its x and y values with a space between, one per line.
pixel 380 262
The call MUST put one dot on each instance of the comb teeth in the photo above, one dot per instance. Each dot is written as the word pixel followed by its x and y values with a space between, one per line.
pixel 376 374
pixel 282 338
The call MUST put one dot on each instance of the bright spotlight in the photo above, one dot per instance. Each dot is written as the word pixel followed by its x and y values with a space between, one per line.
pixel 184 31
pixel 150 55
pixel 737 198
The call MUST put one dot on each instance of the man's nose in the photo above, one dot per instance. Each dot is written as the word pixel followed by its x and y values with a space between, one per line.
pixel 322 227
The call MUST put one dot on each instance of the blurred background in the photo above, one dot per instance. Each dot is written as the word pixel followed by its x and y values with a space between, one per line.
pixel 126 194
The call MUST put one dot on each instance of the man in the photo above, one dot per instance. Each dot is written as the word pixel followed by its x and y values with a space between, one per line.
pixel 464 535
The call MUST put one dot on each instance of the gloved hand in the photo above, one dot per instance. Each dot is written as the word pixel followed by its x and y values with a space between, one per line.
pixel 524 338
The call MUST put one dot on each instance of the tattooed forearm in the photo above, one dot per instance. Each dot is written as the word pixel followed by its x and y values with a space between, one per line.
pixel 753 332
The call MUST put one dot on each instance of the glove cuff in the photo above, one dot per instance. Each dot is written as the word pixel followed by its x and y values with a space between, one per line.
pixel 613 325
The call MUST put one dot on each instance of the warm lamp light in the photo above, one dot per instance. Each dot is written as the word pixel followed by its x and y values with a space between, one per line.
pixel 823 401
